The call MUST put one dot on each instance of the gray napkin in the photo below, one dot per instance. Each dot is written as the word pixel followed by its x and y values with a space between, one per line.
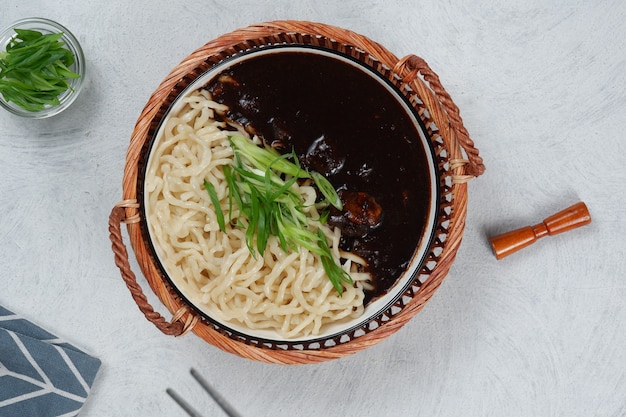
pixel 40 374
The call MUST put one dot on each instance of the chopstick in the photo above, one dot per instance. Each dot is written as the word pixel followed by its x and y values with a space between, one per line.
pixel 221 401
pixel 183 404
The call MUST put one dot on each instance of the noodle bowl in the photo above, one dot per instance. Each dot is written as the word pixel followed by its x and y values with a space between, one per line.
pixel 280 296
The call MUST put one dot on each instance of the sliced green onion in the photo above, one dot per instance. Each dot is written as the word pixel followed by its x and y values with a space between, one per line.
pixel 263 158
pixel 335 273
pixel 261 184
pixel 34 69
pixel 327 190
pixel 216 204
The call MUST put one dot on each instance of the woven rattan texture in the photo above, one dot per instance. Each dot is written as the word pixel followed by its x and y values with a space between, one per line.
pixel 457 158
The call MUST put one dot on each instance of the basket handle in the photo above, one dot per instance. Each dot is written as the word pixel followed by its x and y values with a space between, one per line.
pixel 174 328
pixel 415 65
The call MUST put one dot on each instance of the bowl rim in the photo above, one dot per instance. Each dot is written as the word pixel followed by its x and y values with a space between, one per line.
pixel 79 66
pixel 410 282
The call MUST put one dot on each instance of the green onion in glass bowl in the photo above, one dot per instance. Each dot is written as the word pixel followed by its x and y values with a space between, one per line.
pixel 42 68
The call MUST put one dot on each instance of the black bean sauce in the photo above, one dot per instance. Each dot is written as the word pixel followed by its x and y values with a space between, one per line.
pixel 344 124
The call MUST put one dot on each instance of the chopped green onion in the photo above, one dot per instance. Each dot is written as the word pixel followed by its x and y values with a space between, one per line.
pixel 34 69
pixel 261 184
pixel 216 203
pixel 327 190
pixel 335 273
pixel 263 158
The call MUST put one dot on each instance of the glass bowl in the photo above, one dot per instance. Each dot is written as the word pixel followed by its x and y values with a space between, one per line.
pixel 47 26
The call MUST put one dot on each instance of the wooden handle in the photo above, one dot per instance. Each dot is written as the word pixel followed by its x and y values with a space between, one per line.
pixel 570 218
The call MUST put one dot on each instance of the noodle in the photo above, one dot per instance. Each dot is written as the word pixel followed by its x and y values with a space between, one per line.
pixel 285 292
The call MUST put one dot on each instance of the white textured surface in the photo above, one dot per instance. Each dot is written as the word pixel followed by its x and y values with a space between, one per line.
pixel 541 87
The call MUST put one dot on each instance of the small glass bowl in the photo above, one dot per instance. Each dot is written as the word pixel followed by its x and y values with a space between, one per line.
pixel 47 26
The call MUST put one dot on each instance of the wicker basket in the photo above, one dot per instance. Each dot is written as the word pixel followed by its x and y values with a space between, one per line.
pixel 457 158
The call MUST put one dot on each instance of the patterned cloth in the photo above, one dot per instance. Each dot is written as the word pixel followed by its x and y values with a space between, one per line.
pixel 40 374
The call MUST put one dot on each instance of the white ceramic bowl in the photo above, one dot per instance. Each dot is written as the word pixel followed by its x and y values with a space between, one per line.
pixel 377 306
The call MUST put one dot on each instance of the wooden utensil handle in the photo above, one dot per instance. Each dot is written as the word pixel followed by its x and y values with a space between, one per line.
pixel 570 218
